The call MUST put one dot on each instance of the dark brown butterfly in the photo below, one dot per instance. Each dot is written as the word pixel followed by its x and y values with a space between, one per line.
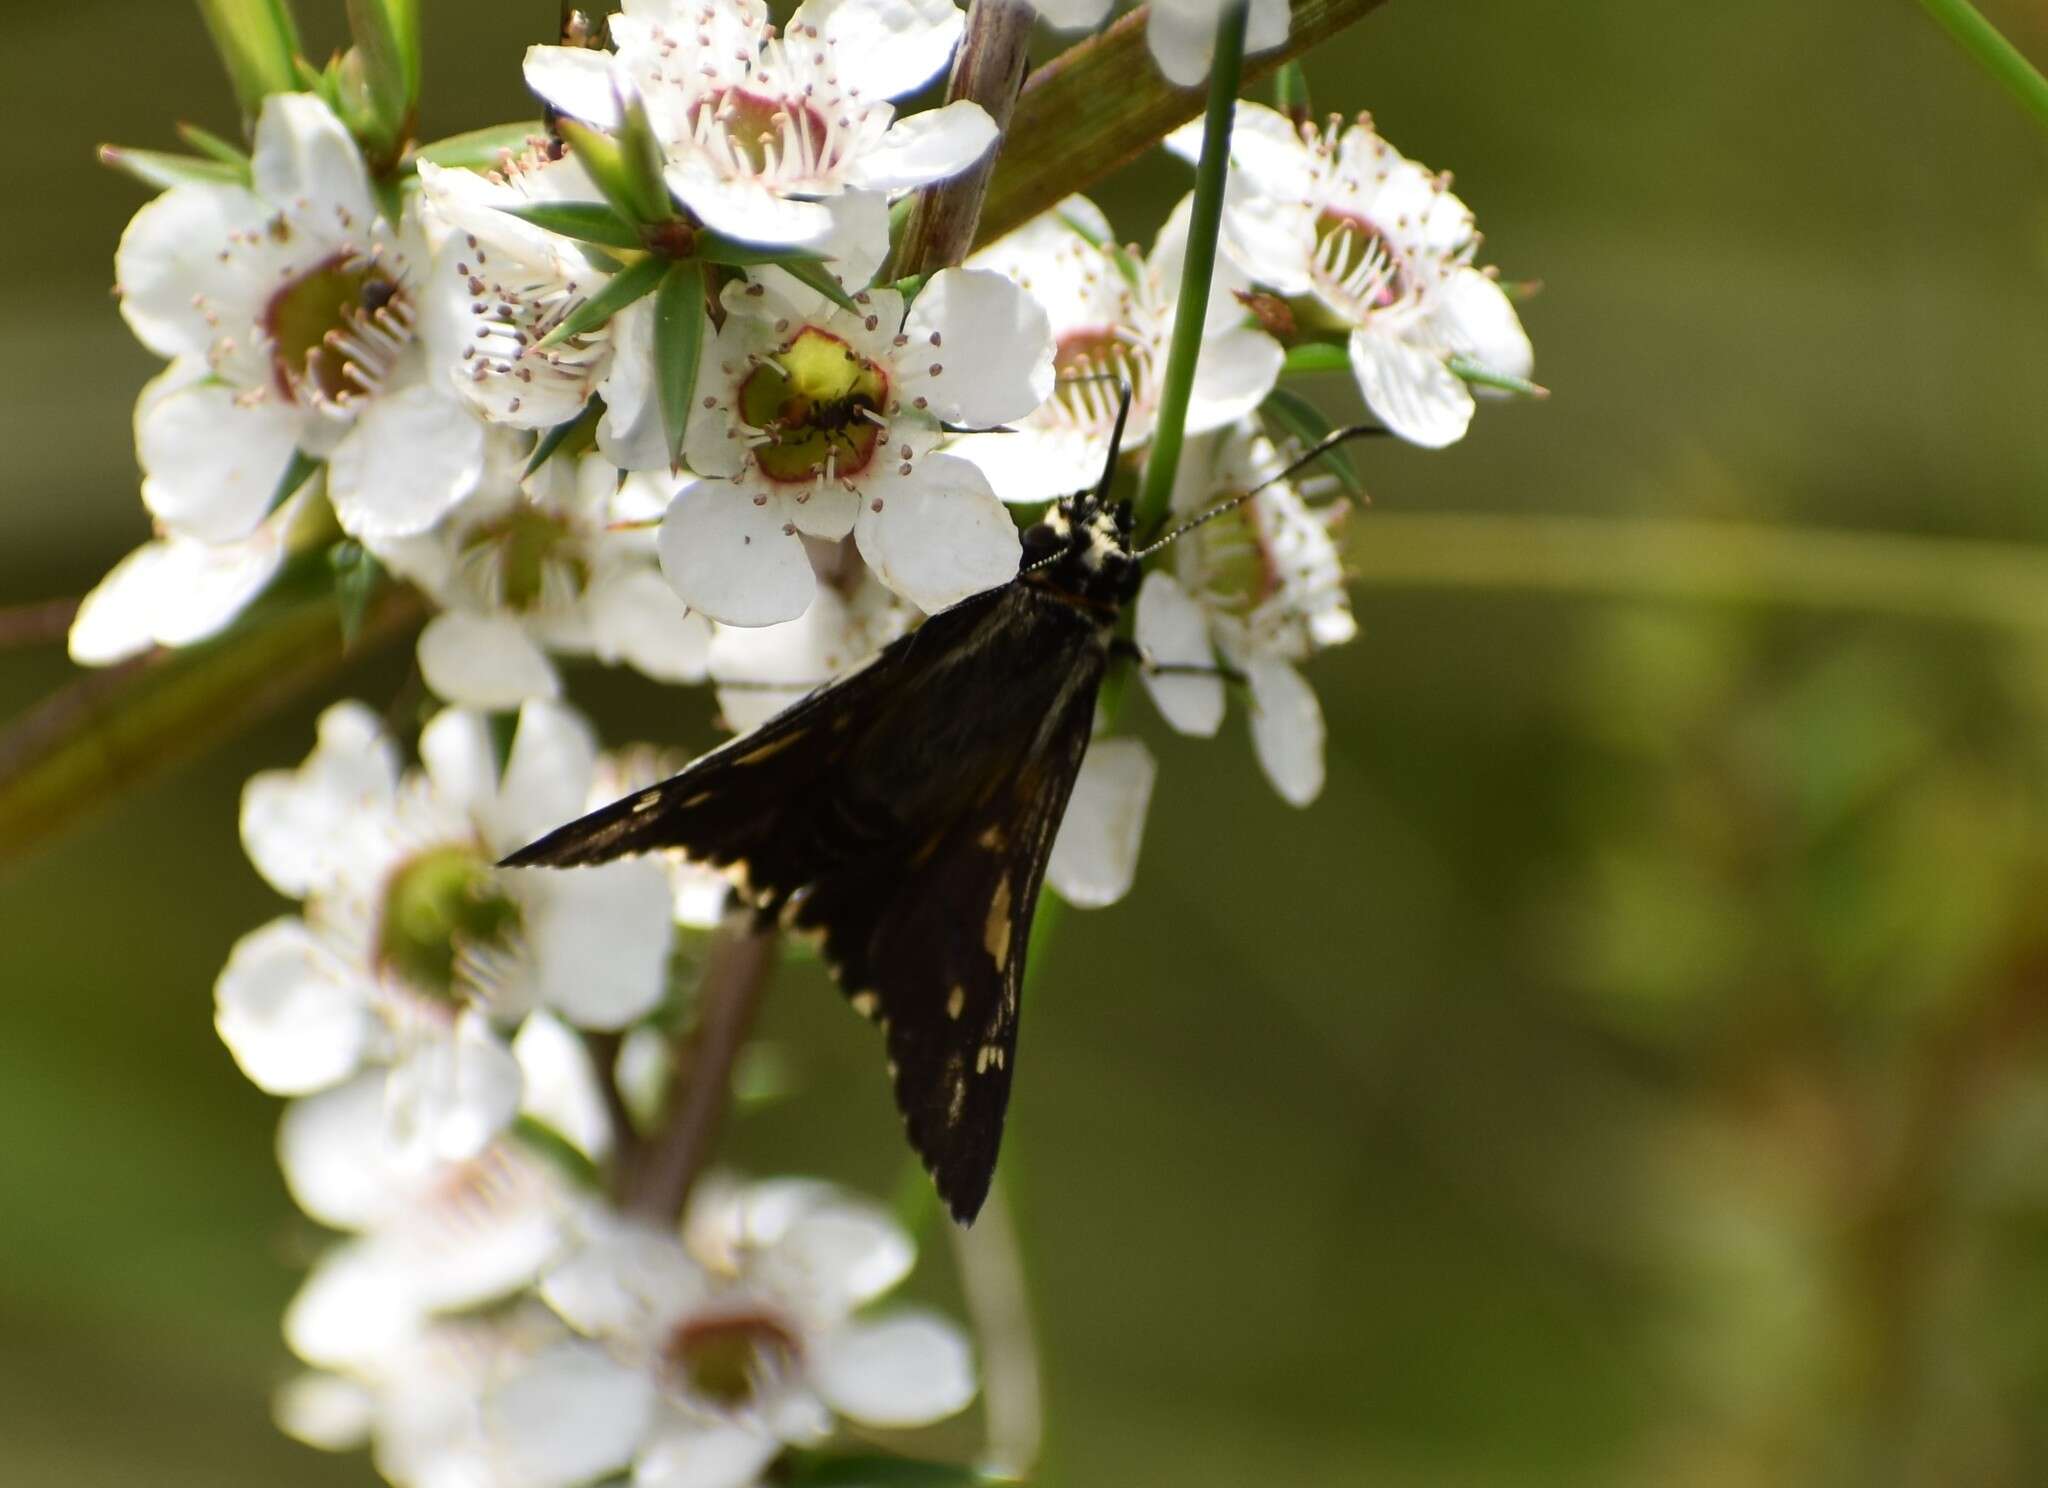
pixel 906 812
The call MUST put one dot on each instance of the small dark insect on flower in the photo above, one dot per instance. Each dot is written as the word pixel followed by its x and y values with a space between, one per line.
pixel 905 813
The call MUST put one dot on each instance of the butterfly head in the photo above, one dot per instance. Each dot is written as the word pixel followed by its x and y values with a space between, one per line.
pixel 1082 547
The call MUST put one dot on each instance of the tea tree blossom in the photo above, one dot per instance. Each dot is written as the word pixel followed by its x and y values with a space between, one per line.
pixel 290 311
pixel 1111 315
pixel 749 1333
pixel 1373 246
pixel 821 421
pixel 1262 589
pixel 765 135
pixel 501 285
pixel 413 952
pixel 537 564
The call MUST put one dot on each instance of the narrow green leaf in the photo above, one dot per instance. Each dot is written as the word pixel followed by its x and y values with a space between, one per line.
pixel 818 276
pixel 1316 356
pixel 1305 422
pixel 357 574
pixel 731 253
pixel 1484 376
pixel 582 429
pixel 155 168
pixel 640 153
pixel 619 291
pixel 587 222
pixel 206 142
pixel 1290 90
pixel 387 35
pixel 909 286
pixel 1992 52
pixel 258 44
pixel 605 163
pixel 679 321
pixel 482 148
pixel 303 467
pixel 556 1151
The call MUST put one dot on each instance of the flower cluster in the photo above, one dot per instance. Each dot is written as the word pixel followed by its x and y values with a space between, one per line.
pixel 641 389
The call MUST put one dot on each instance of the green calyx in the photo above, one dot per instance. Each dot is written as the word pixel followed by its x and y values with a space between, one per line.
pixel 442 900
pixel 814 398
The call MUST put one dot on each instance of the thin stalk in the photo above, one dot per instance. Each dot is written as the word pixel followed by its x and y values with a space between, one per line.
pixel 1992 52
pixel 1998 584
pixel 37 623
pixel 987 70
pixel 1197 269
pixel 742 961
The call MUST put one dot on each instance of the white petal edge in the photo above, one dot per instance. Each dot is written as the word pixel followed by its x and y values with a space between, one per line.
pixel 1172 630
pixel 910 1368
pixel 1095 855
pixel 295 1018
pixel 941 534
pixel 484 661
pixel 411 456
pixel 731 559
pixel 1411 391
pixel 1287 729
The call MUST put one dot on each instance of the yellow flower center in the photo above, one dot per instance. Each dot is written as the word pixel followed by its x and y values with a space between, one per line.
pixel 814 399
pixel 434 905
pixel 336 329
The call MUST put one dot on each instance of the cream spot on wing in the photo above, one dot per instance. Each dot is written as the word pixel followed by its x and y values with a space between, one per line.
pixel 995 935
pixel 648 801
pixel 957 1102
pixel 956 1002
pixel 987 1057
pixel 697 800
pixel 865 1003
pixel 991 838
pixel 772 748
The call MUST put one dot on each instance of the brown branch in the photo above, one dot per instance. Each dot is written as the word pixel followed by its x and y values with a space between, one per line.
pixel 742 958
pixel 1100 104
pixel 37 623
pixel 988 70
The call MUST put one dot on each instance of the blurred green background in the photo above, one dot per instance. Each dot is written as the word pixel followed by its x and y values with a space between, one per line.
pixel 1631 1072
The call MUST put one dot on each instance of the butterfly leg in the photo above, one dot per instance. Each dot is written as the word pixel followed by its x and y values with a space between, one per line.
pixel 1122 648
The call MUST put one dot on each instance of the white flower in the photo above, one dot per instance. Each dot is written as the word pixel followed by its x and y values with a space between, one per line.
pixel 766 137
pixel 1095 853
pixel 1112 320
pixel 1372 244
pixel 1261 586
pixel 426 1237
pixel 175 590
pixel 537 564
pixel 747 1331
pixel 290 312
pixel 503 284
pixel 815 420
pixel 414 952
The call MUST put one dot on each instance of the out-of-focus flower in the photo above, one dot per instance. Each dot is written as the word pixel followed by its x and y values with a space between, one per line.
pixel 746 1332
pixel 1261 587
pixel 290 312
pixel 1112 321
pixel 414 952
pixel 547 562
pixel 1180 33
pixel 764 137
pixel 1371 244
pixel 820 421
pixel 1095 855
pixel 502 285
pixel 175 590
pixel 760 670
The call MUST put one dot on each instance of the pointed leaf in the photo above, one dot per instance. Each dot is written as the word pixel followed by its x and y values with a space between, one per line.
pixel 582 429
pixel 206 142
pixel 357 574
pixel 1478 372
pixel 1316 356
pixel 678 338
pixel 482 148
pixel 387 40
pixel 155 168
pixel 814 273
pixel 619 291
pixel 605 163
pixel 258 44
pixel 1305 422
pixel 587 222
pixel 640 152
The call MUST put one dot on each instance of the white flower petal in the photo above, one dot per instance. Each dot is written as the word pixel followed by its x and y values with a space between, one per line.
pixel 626 1282
pixel 547 775
pixel 747 209
pixel 295 1018
pixel 412 455
pixel 1182 39
pixel 451 1096
pixel 907 1369
pixel 705 1454
pixel 456 751
pixel 731 559
pixel 302 828
pixel 1236 372
pixel 325 1411
pixel 600 939
pixel 858 243
pixel 994 341
pixel 581 82
pixel 892 46
pixel 336 1163
pixel 351 1311
pixel 559 1084
pixel 175 591
pixel 484 661
pixel 941 534
pixel 1027 464
pixel 638 619
pixel 571 1415
pixel 1287 729
pixel 1072 15
pixel 1476 318
pixel 1410 390
pixel 174 275
pixel 926 147
pixel 211 462
pixel 1095 855
pixel 304 154
pixel 1173 631
pixel 840 1253
pixel 630 434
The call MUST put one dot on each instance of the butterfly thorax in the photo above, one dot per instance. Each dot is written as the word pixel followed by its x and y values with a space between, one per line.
pixel 1082 551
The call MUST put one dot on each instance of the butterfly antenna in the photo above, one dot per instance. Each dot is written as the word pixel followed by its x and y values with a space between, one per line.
pixel 1231 503
pixel 1116 442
